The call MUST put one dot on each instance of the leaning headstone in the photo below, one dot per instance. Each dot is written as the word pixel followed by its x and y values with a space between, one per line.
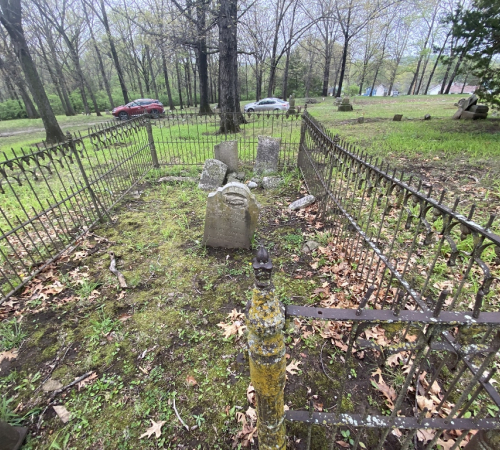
pixel 302 202
pixel 107 111
pixel 472 100
pixel 231 217
pixel 213 174
pixel 397 117
pixel 480 109
pixel 457 115
pixel 271 182
pixel 227 152
pixel 268 150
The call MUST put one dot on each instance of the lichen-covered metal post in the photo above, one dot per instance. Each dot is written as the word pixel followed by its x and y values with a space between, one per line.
pixel 266 348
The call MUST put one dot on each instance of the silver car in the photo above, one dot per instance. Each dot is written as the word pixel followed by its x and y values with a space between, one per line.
pixel 268 104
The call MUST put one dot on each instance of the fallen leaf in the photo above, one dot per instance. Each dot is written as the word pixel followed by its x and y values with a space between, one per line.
pixel 446 444
pixel 8 355
pixel 191 381
pixel 124 317
pixel 251 394
pixel 89 380
pixel 293 367
pixel 155 428
pixel 393 360
pixel 424 402
pixel 51 385
pixel 343 444
pixel 425 435
pixel 62 412
pixel 388 391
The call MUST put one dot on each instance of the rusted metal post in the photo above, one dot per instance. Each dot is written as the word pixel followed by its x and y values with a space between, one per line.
pixel 485 440
pixel 11 438
pixel 266 348
pixel 152 147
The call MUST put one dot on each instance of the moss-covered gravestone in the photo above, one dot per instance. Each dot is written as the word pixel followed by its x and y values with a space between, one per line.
pixel 231 217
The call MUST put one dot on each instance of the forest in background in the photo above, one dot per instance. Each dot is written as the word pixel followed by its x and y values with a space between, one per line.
pixel 93 55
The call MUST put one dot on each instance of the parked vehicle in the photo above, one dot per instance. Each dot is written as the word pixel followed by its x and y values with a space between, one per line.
pixel 138 107
pixel 268 104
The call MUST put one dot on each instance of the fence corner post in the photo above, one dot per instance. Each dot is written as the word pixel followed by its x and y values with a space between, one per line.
pixel 484 440
pixel 151 141
pixel 266 347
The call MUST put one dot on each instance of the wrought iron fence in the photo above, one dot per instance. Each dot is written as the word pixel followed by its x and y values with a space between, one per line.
pixel 188 138
pixel 420 274
pixel 51 196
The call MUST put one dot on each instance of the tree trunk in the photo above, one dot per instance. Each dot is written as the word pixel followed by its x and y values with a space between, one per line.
pixel 179 83
pixel 343 64
pixel 436 63
pixel 193 68
pixel 150 64
pixel 326 72
pixel 455 71
pixel 167 81
pixel 285 75
pixel 11 19
pixel 114 54
pixel 229 96
pixel 187 78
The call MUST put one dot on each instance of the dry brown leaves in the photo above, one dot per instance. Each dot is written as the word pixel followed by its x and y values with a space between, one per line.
pixel 87 381
pixel 293 367
pixel 155 429
pixel 235 326
pixel 388 391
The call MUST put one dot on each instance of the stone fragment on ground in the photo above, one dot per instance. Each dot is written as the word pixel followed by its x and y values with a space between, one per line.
pixel 252 185
pixel 51 385
pixel 271 182
pixel 213 174
pixel 427 117
pixel 176 179
pixel 309 246
pixel 302 202
pixel 397 117
pixel 232 178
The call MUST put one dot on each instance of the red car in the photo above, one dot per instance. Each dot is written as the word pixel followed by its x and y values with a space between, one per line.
pixel 138 107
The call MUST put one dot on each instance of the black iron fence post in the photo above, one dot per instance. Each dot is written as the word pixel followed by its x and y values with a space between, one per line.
pixel 95 201
pixel 152 146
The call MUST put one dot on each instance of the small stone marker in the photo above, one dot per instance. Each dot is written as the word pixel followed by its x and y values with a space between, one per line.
pixel 427 117
pixel 291 101
pixel 345 106
pixel 361 119
pixel 268 150
pixel 213 174
pixel 397 117
pixel 271 182
pixel 252 185
pixel 309 246
pixel 302 202
pixel 231 217
pixel 227 152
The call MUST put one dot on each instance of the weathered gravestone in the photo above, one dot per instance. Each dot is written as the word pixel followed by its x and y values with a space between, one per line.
pixel 397 117
pixel 268 150
pixel 231 217
pixel 213 174
pixel 227 152
pixel 345 106
pixel 291 101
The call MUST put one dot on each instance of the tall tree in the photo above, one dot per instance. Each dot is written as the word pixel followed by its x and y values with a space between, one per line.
pixel 11 19
pixel 229 99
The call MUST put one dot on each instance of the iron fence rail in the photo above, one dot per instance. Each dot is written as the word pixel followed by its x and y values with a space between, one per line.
pixel 52 196
pixel 416 262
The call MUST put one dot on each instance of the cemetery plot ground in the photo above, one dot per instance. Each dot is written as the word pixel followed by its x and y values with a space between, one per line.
pixel 162 364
